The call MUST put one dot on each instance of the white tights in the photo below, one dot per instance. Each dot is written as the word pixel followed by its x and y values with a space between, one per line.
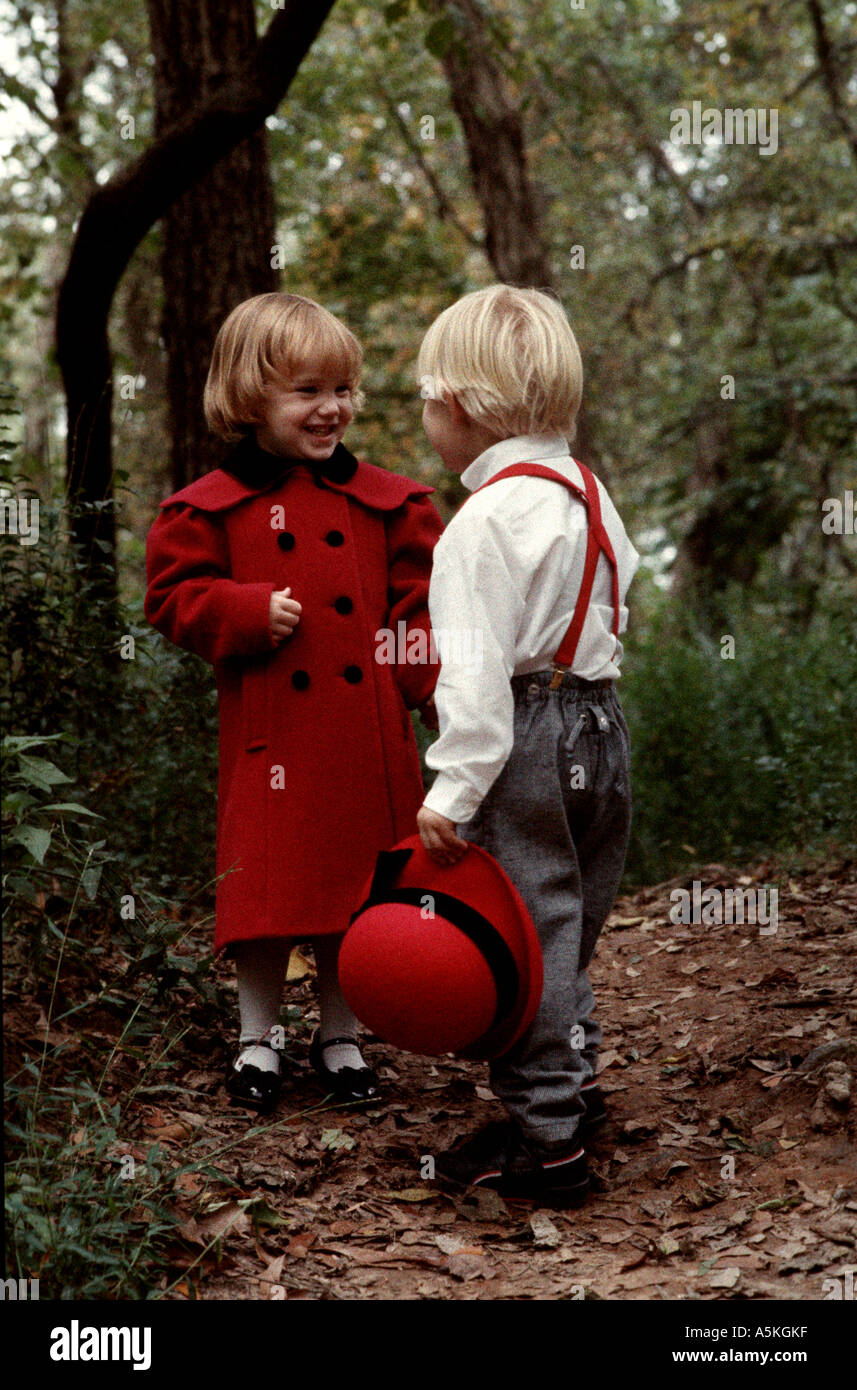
pixel 261 970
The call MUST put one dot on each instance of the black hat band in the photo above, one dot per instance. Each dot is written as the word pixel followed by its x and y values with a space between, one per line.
pixel 476 928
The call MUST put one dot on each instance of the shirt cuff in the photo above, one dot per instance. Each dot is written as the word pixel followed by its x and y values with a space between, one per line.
pixel 449 798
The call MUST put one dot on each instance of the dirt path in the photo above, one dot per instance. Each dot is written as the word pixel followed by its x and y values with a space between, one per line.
pixel 727 1168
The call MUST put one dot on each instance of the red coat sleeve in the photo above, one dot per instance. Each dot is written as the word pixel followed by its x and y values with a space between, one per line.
pixel 412 533
pixel 190 597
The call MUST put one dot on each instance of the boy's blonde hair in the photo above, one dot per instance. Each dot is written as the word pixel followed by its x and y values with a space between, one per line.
pixel 271 336
pixel 510 358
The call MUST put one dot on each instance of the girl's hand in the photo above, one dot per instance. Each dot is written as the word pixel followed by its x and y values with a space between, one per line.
pixel 285 614
pixel 438 836
pixel 428 714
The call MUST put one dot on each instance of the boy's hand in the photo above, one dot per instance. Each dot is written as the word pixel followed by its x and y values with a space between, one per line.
pixel 285 614
pixel 438 836
pixel 428 713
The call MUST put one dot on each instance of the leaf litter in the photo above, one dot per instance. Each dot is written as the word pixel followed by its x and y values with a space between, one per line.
pixel 725 1168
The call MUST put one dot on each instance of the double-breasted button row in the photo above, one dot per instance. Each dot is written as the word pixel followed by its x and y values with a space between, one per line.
pixel 353 674
pixel 286 540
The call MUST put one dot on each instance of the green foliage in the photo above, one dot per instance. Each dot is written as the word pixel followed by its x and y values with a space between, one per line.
pixel 93 827
pixel 72 1220
pixel 75 1217
pixel 129 726
pixel 736 758
pixel 26 815
pixel 86 931
pixel 700 261
pixel 49 852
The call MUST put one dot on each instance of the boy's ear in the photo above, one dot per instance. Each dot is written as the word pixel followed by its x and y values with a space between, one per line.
pixel 455 408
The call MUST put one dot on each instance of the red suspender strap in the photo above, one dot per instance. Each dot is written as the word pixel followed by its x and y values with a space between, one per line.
pixel 597 542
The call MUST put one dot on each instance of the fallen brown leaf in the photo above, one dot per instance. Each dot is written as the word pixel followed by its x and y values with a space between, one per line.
pixel 215 1223
pixel 725 1278
pixel 412 1194
pixel 272 1274
pixel 470 1263
pixel 300 1244
pixel 543 1229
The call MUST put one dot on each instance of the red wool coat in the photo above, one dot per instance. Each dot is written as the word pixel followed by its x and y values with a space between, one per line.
pixel 319 768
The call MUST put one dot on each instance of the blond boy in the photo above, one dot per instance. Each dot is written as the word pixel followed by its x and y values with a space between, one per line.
pixel 532 762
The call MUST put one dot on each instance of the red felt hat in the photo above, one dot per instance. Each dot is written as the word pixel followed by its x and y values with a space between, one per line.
pixel 442 958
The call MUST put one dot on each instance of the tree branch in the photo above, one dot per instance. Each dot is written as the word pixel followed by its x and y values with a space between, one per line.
pixel 848 311
pixel 644 140
pixel 826 245
pixel 112 224
pixel 829 64
pixel 641 301
pixel 445 210
pixel 120 212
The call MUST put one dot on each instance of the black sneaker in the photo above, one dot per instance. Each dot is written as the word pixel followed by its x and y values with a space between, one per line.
pixel 501 1157
pixel 596 1111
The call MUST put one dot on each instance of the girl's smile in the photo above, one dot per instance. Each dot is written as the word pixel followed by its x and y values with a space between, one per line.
pixel 305 417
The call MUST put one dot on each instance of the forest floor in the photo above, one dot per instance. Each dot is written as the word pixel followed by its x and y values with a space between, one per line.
pixel 727 1167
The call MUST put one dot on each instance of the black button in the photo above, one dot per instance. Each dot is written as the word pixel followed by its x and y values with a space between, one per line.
pixel 353 675
pixel 343 605
pixel 335 538
pixel 286 541
pixel 300 680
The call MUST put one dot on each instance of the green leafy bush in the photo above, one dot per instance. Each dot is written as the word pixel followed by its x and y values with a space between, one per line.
pixel 736 758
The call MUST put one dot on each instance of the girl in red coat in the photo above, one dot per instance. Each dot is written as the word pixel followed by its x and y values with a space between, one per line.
pixel 282 569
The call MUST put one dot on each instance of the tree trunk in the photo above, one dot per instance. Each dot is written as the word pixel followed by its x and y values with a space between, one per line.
pixel 695 567
pixel 114 221
pixel 217 237
pixel 493 130
pixel 515 240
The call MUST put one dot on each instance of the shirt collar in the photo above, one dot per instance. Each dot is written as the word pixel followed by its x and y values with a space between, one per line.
pixel 522 448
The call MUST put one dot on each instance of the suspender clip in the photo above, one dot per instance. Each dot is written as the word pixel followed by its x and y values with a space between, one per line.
pixel 556 678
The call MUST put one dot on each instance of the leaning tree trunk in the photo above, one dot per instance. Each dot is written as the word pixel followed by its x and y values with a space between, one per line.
pixel 493 130
pixel 114 221
pixel 217 237
pixel 515 239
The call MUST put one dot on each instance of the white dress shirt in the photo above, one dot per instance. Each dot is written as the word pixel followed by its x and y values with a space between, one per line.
pixel 505 578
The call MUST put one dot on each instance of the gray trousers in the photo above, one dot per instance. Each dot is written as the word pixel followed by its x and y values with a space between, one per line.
pixel 557 820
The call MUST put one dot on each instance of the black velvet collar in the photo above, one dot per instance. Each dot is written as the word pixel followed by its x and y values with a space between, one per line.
pixel 255 467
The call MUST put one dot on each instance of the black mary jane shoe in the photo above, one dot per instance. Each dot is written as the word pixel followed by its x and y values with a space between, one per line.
pixel 349 1083
pixel 251 1087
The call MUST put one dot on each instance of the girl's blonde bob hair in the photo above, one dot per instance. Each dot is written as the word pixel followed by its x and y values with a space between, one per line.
pixel 268 337
pixel 510 358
